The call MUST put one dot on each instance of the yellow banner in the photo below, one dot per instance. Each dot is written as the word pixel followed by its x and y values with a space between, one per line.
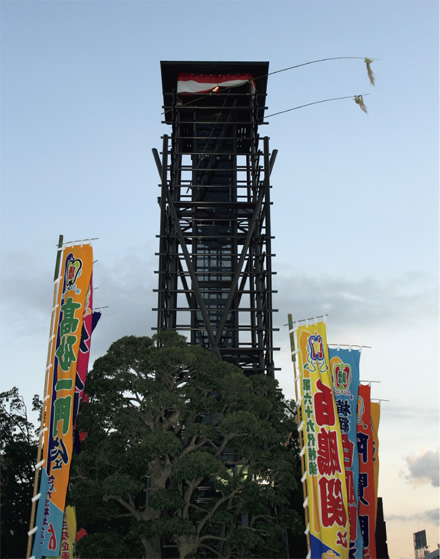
pixel 326 485
pixel 68 534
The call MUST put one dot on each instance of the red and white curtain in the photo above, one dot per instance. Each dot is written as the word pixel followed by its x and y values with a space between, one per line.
pixel 204 83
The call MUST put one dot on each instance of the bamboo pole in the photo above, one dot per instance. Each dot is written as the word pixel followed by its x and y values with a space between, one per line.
pixel 300 433
pixel 46 389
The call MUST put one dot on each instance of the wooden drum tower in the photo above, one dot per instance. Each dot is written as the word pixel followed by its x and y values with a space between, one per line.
pixel 215 259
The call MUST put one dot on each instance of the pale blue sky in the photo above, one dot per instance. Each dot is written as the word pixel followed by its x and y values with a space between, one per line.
pixel 355 196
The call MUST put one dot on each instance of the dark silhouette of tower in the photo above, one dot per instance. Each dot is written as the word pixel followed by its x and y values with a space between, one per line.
pixel 215 271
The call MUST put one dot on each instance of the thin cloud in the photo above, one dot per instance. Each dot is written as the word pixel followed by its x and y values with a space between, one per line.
pixel 424 468
pixel 349 300
pixel 125 283
pixel 26 288
pixel 431 516
pixel 399 413
pixel 126 289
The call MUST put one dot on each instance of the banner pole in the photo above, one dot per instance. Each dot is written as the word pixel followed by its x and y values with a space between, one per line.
pixel 300 435
pixel 43 410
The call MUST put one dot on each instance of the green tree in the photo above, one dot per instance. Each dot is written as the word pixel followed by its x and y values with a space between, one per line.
pixel 185 456
pixel 18 453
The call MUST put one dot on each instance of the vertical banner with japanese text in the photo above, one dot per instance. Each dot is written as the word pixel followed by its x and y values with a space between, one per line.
pixel 90 320
pixel 326 485
pixel 367 505
pixel 344 365
pixel 75 277
pixel 375 419
pixel 68 534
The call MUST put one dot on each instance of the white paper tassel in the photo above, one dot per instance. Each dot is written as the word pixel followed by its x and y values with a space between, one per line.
pixel 359 100
pixel 368 62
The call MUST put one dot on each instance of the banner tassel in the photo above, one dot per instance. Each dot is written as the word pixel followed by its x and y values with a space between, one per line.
pixel 368 62
pixel 359 100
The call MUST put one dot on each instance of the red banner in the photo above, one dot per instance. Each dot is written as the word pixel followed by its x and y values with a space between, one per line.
pixel 366 472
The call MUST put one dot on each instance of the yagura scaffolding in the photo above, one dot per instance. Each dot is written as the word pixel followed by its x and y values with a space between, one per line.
pixel 215 271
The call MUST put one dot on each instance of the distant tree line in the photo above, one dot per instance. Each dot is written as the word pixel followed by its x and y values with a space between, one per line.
pixel 18 454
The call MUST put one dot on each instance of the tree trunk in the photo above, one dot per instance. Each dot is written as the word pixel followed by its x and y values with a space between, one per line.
pixel 186 545
pixel 152 548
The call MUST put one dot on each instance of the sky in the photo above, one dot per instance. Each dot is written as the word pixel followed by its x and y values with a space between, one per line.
pixel 355 196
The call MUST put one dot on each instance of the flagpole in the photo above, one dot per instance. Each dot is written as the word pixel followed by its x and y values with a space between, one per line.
pixel 32 529
pixel 300 433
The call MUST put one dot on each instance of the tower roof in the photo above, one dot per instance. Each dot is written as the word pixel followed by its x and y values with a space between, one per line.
pixel 171 69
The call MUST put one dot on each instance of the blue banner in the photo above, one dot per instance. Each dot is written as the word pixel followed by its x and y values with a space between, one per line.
pixel 344 365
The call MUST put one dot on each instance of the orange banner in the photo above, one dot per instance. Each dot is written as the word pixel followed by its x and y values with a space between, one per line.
pixel 75 276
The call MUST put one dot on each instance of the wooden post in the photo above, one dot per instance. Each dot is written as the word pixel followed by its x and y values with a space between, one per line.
pixel 46 388
pixel 300 434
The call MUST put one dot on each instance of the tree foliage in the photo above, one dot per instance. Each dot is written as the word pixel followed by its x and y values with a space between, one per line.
pixel 184 456
pixel 18 453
